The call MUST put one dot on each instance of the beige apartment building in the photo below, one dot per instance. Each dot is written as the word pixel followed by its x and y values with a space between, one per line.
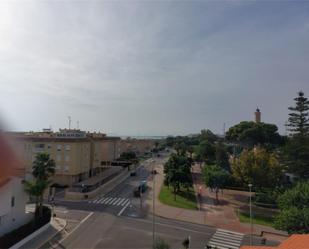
pixel 78 155
pixel 139 146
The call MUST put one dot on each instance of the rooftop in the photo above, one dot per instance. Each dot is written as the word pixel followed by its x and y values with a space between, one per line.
pixel 295 241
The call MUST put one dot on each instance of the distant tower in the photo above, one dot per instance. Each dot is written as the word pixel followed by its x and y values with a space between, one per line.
pixel 257 115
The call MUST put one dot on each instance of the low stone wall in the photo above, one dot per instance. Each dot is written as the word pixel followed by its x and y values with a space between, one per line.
pixel 105 188
pixel 30 237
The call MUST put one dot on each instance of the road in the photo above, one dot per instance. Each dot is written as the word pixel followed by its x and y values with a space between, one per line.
pixel 117 220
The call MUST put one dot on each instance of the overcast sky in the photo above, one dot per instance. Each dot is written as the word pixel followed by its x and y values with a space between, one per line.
pixel 150 67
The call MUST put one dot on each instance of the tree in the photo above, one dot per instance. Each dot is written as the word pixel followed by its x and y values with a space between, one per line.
pixel 259 167
pixel 207 135
pixel 43 168
pixel 250 133
pixel 222 157
pixel 205 151
pixel 296 151
pixel 294 206
pixel 177 172
pixel 298 122
pixel 215 178
pixel 36 189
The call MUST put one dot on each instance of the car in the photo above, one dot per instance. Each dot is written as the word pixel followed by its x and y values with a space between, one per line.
pixel 133 173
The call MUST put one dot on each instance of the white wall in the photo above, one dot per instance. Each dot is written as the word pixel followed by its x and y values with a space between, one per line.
pixel 16 216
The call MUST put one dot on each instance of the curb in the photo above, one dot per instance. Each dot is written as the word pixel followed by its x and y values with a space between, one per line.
pixel 54 235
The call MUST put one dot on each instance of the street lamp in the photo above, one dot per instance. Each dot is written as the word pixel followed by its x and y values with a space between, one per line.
pixel 251 225
pixel 153 203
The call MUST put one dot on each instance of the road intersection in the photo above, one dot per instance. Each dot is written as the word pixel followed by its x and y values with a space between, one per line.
pixel 119 220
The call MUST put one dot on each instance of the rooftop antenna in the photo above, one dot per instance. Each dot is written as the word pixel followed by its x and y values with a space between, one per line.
pixel 69 117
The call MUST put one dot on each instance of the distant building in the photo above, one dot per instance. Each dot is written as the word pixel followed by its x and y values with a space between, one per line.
pixel 257 115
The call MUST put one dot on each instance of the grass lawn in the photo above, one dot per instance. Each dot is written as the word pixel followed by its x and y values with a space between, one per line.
pixel 184 199
pixel 260 220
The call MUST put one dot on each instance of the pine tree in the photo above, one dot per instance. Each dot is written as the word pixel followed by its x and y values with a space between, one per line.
pixel 298 121
pixel 297 148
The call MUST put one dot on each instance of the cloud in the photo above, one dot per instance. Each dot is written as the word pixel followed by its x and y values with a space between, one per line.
pixel 151 67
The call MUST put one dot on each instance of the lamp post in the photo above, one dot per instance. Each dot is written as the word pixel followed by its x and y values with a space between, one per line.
pixel 251 225
pixel 153 203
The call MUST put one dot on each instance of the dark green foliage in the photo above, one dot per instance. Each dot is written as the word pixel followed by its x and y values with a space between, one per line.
pixel 296 156
pixel 206 152
pixel 296 151
pixel 43 169
pixel 298 119
pixel 43 166
pixel 294 206
pixel 215 178
pixel 250 133
pixel 207 135
pixel 177 172
pixel 222 157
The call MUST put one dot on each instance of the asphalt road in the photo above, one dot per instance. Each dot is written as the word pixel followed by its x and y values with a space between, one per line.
pixel 117 220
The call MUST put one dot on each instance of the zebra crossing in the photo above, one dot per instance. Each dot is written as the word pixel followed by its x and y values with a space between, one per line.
pixel 224 239
pixel 111 201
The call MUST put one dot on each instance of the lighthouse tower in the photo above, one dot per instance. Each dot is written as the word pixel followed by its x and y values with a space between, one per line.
pixel 257 115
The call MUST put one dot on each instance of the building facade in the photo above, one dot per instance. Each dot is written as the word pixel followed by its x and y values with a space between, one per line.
pixel 13 197
pixel 78 155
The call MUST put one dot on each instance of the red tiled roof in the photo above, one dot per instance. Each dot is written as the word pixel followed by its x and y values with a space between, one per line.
pixel 295 241
pixel 257 247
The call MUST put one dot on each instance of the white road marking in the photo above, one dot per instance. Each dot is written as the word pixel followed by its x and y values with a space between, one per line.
pixel 122 202
pixel 224 239
pixel 124 208
pixel 74 229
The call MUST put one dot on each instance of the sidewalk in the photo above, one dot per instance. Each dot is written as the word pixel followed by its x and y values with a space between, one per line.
pixel 56 226
pixel 220 216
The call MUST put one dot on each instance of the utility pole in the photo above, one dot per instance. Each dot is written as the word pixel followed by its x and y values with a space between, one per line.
pixel 69 117
pixel 153 204
pixel 251 225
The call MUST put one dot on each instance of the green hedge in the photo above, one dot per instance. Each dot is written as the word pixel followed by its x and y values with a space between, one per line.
pixel 22 232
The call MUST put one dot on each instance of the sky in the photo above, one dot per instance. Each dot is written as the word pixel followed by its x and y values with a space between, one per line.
pixel 150 67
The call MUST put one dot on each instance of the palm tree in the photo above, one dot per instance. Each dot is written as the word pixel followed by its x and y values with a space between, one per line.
pixel 36 189
pixel 43 168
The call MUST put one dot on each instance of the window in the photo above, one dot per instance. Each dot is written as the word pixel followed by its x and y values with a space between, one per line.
pixel 68 147
pixel 59 147
pixel 49 146
pixel 66 168
pixel 12 201
pixel 67 158
pixel 58 157
pixel 39 146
